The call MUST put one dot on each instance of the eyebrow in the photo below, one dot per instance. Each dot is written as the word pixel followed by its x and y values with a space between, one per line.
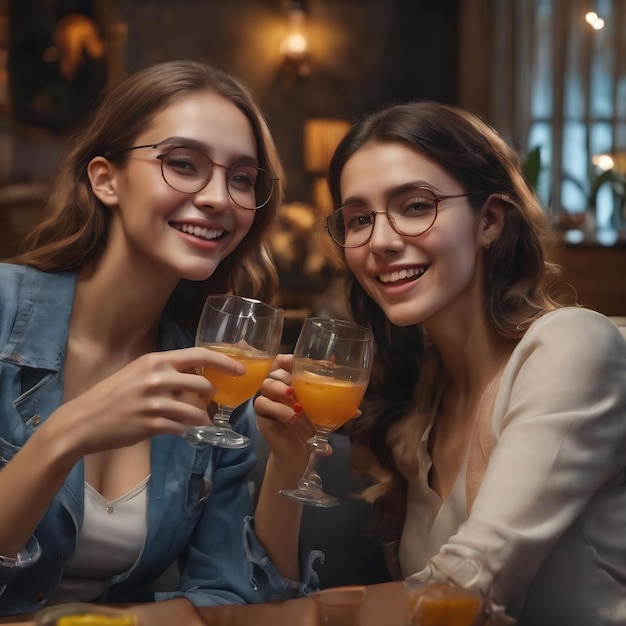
pixel 186 142
pixel 394 191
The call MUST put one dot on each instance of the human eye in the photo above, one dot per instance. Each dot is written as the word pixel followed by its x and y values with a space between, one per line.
pixel 182 161
pixel 415 203
pixel 356 217
pixel 243 178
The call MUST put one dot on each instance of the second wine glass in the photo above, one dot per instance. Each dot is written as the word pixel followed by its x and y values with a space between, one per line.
pixel 250 332
pixel 331 369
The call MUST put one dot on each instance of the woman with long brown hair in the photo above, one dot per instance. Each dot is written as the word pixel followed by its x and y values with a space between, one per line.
pixel 494 427
pixel 167 194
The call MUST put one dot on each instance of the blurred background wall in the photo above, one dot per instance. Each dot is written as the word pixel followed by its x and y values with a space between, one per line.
pixel 502 59
pixel 361 53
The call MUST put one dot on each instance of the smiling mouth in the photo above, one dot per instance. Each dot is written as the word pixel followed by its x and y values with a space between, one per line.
pixel 199 231
pixel 404 275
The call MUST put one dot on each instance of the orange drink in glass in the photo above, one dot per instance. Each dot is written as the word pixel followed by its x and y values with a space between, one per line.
pixel 233 390
pixel 332 362
pixel 444 604
pixel 327 402
pixel 248 331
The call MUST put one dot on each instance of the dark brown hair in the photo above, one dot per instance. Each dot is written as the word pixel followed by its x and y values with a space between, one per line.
pixel 519 281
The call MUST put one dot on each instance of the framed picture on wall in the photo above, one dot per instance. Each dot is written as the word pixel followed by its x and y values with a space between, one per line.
pixel 57 59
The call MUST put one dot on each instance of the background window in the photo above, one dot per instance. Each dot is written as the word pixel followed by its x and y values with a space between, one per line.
pixel 555 78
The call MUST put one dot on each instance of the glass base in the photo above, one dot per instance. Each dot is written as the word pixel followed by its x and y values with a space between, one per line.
pixel 222 437
pixel 310 497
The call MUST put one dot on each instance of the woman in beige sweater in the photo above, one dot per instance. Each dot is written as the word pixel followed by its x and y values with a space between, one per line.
pixel 495 422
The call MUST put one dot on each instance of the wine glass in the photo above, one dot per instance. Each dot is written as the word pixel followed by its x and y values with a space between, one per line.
pixel 331 369
pixel 250 332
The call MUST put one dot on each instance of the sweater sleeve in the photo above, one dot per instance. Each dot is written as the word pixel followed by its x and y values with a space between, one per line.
pixel 560 438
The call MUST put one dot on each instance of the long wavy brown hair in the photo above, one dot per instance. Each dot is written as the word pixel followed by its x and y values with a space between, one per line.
pixel 520 283
pixel 74 231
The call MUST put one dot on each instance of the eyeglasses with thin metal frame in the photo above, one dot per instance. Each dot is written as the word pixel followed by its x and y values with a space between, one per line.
pixel 188 170
pixel 411 211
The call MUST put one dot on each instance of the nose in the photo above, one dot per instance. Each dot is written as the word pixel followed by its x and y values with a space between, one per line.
pixel 384 238
pixel 215 193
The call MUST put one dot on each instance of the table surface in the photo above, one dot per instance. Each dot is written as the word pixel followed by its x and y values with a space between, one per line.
pixel 385 603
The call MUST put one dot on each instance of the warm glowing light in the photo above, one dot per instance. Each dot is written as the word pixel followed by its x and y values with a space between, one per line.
pixel 594 20
pixel 603 162
pixel 321 137
pixel 295 45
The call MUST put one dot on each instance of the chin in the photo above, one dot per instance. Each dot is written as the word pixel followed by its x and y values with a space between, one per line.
pixel 404 315
pixel 199 273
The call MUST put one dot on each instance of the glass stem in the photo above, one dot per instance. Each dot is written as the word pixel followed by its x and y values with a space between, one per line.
pixel 311 480
pixel 221 419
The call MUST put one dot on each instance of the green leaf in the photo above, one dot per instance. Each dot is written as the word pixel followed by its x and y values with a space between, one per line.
pixel 531 167
pixel 605 177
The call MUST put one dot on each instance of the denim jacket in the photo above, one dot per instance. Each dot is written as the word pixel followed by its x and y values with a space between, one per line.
pixel 198 497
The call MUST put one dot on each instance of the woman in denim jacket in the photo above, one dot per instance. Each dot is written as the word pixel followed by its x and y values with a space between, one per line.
pixel 154 207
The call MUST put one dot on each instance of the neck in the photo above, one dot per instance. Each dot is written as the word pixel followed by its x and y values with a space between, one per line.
pixel 472 352
pixel 117 309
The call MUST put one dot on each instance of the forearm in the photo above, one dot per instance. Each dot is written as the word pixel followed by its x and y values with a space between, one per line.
pixel 277 521
pixel 29 482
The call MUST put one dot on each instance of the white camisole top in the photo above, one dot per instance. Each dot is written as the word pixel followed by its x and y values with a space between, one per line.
pixel 109 542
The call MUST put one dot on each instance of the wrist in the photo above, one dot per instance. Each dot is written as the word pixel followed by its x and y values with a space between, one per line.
pixel 284 472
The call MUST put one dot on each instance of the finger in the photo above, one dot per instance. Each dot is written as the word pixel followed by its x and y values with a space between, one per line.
pixel 176 383
pixel 165 426
pixel 278 391
pixel 283 362
pixel 180 411
pixel 266 408
pixel 199 357
pixel 280 375
pixel 196 399
pixel 195 386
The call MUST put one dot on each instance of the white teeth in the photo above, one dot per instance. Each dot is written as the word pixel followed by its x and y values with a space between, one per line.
pixel 392 277
pixel 198 231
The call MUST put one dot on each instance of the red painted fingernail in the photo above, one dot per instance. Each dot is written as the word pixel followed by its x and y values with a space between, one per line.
pixel 297 407
pixel 289 391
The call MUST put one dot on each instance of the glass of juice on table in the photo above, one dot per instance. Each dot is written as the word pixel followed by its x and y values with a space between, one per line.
pixel 331 369
pixel 449 597
pixel 248 331
pixel 79 614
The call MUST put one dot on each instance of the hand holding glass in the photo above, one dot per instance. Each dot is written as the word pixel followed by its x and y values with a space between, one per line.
pixel 331 369
pixel 250 332
pixel 439 598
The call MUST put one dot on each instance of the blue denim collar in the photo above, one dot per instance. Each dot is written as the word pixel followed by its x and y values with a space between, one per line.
pixel 39 334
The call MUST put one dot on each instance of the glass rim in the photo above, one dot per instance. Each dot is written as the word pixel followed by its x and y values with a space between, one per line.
pixel 230 297
pixel 326 323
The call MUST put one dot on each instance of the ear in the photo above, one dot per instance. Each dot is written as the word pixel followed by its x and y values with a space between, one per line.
pixel 492 219
pixel 102 178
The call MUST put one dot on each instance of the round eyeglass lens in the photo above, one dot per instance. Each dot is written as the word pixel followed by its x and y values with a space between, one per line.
pixel 189 170
pixel 410 212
